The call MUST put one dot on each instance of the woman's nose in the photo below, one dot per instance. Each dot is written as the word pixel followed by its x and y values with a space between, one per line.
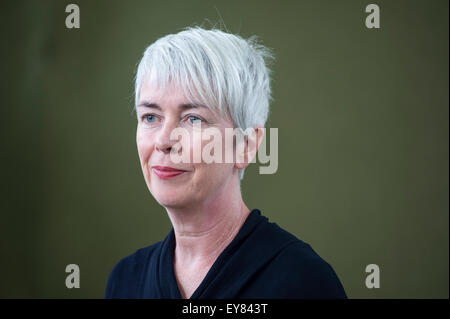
pixel 163 141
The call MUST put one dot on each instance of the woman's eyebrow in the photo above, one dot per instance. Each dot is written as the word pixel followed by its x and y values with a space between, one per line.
pixel 187 106
pixel 150 105
pixel 184 106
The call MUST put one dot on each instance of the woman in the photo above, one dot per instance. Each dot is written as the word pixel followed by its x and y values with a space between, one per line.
pixel 194 81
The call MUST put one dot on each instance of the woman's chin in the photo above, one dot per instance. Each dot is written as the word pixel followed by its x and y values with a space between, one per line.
pixel 171 200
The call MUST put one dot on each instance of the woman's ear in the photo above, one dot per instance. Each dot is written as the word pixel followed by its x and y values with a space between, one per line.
pixel 246 151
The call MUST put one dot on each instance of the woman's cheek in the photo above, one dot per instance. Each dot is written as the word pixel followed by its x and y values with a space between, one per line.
pixel 195 147
pixel 144 145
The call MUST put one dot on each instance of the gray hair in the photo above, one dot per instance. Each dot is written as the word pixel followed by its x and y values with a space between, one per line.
pixel 220 70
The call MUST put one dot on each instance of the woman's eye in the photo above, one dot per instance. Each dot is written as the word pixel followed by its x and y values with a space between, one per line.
pixel 194 119
pixel 149 118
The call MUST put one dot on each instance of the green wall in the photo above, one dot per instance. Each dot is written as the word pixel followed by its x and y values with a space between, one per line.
pixel 363 138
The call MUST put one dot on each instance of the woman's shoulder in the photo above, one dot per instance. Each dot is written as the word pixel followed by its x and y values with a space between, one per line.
pixel 140 256
pixel 128 271
pixel 300 269
pixel 300 256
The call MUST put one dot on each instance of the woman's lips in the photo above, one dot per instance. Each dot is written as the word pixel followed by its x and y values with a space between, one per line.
pixel 166 172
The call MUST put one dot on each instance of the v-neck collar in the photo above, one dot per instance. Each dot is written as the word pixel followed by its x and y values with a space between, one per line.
pixel 167 280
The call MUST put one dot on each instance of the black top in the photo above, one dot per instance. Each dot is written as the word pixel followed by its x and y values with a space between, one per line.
pixel 262 261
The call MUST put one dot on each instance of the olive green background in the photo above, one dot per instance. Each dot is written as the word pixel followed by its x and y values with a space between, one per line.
pixel 363 138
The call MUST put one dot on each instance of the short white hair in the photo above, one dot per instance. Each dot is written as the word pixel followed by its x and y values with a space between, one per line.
pixel 220 70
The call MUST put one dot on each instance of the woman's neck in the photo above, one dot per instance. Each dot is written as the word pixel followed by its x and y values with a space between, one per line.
pixel 204 231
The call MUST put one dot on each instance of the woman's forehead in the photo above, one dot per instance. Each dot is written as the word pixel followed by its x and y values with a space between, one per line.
pixel 174 96
pixel 150 92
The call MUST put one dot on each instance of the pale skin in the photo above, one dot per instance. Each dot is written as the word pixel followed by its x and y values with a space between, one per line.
pixel 204 203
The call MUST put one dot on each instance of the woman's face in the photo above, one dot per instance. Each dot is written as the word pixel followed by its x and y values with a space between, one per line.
pixel 194 182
